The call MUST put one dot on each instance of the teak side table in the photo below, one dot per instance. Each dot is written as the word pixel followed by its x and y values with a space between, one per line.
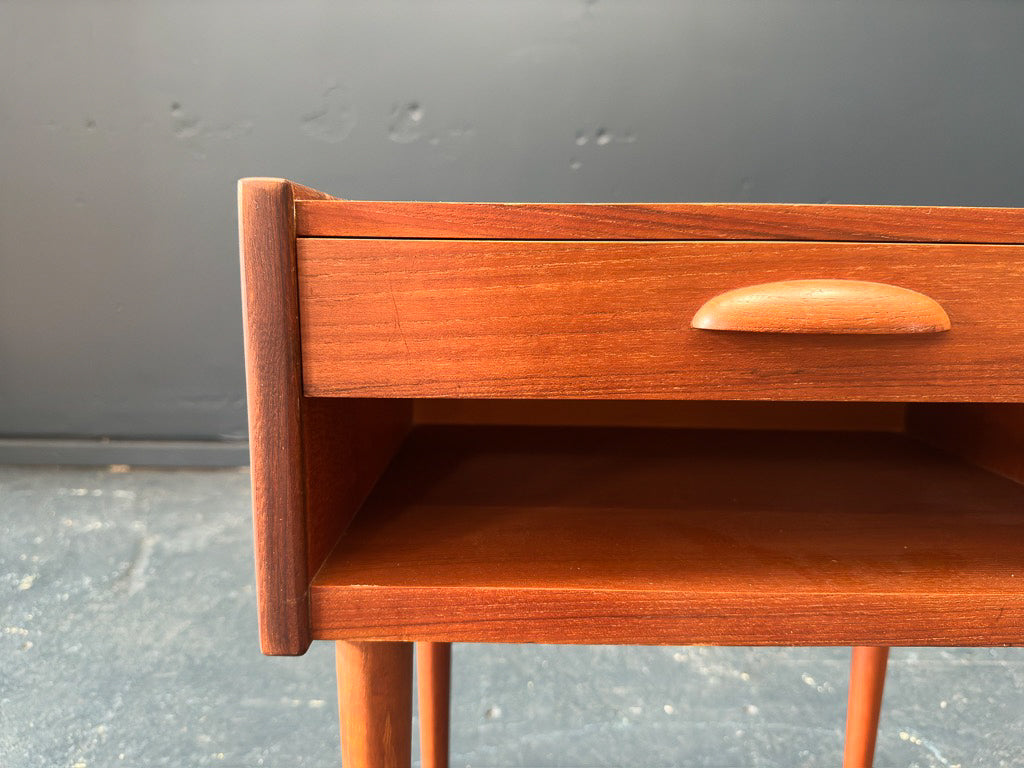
pixel 630 424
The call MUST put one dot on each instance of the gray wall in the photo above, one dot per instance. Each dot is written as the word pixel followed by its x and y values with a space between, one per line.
pixel 123 126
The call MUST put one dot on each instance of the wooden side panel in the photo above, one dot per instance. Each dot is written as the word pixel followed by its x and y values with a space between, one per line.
pixel 347 444
pixel 274 390
pixel 611 320
pixel 312 462
pixel 990 435
pixel 665 221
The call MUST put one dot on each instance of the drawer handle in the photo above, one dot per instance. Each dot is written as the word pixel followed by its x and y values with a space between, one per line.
pixel 822 306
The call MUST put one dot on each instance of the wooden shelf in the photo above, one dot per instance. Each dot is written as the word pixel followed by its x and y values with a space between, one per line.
pixel 597 535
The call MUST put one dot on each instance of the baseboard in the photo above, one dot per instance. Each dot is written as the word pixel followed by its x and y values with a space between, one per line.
pixel 148 453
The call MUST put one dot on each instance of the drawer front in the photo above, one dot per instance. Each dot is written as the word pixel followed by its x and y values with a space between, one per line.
pixel 600 319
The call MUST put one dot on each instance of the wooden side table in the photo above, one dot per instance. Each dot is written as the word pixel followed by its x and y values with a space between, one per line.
pixel 628 424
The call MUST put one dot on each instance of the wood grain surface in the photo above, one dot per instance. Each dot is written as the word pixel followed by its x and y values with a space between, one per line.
pixel 347 444
pixel 301 194
pixel 990 435
pixel 822 306
pixel 696 414
pixel 664 221
pixel 610 320
pixel 434 685
pixel 864 705
pixel 590 535
pixel 375 704
pixel 312 461
pixel 274 390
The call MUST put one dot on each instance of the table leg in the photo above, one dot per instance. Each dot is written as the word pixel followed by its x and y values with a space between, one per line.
pixel 867 679
pixel 433 680
pixel 375 704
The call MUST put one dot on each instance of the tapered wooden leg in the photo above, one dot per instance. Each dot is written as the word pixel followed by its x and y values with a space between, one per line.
pixel 375 704
pixel 867 679
pixel 433 681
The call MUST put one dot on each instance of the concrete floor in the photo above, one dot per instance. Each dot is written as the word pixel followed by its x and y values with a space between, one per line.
pixel 127 637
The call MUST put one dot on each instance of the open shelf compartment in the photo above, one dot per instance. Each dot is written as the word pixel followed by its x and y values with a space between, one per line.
pixel 633 535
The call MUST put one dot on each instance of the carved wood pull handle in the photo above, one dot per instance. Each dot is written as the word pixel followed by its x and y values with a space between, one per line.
pixel 822 306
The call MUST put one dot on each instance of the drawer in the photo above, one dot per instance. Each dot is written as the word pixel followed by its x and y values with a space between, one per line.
pixel 612 319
